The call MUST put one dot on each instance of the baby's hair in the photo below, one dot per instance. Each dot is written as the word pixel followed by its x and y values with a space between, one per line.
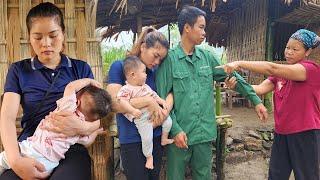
pixel 131 63
pixel 101 99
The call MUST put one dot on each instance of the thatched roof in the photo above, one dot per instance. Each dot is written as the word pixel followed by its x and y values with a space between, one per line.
pixel 121 15
pixel 124 15
pixel 306 14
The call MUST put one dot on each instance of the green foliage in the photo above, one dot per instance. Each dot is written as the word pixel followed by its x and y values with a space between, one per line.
pixel 268 101
pixel 218 53
pixel 111 55
pixel 174 34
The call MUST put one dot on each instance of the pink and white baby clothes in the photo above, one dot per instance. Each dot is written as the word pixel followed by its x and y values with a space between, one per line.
pixel 46 146
pixel 143 123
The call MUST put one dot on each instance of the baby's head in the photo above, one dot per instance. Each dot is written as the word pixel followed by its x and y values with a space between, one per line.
pixel 93 102
pixel 135 71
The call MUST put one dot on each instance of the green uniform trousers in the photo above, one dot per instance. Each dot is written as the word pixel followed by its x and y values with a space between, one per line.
pixel 198 156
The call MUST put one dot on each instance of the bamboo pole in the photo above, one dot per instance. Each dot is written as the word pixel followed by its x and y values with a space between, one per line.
pixel 52 1
pixel 13 36
pixel 70 30
pixel 81 34
pixel 25 6
pixel 3 44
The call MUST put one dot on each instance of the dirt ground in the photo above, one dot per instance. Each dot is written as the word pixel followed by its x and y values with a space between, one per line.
pixel 252 167
pixel 256 168
pixel 245 119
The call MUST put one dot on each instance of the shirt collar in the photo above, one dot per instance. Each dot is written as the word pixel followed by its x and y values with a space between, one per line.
pixel 183 55
pixel 36 64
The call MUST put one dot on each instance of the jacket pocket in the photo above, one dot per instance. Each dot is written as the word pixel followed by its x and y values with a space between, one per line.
pixel 206 78
pixel 180 81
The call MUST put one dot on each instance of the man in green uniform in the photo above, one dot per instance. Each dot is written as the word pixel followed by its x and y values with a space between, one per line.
pixel 188 72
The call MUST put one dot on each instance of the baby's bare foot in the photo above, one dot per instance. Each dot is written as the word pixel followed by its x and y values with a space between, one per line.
pixel 166 141
pixel 149 163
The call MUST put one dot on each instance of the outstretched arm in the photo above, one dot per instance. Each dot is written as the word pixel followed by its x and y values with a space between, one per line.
pixel 295 72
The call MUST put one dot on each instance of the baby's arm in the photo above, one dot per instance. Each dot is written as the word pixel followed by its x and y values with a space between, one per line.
pixel 88 140
pixel 128 108
pixel 76 85
pixel 123 98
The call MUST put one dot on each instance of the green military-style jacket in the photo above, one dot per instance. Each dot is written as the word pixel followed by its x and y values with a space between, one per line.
pixel 191 82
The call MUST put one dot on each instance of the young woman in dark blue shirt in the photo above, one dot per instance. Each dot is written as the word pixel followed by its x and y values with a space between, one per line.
pixel 151 48
pixel 36 83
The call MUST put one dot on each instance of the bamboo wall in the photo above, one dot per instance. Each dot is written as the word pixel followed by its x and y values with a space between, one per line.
pixel 247 36
pixel 81 40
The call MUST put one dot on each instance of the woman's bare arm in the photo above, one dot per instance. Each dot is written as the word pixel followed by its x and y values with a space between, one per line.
pixel 24 167
pixel 9 110
pixel 264 87
pixel 295 72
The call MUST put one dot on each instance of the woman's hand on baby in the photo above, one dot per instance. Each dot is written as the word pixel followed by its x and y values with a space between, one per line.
pixel 162 103
pixel 153 105
pixel 65 123
pixel 159 117
pixel 136 113
pixel 157 114
pixel 28 168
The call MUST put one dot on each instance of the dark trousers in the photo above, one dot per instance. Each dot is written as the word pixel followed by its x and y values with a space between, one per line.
pixel 299 152
pixel 75 166
pixel 134 161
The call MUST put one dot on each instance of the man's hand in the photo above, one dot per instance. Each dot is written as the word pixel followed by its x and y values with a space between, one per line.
pixel 29 169
pixel 230 82
pixel 181 140
pixel 262 112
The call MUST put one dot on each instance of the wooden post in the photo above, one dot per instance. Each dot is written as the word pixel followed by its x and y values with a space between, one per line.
pixel 110 166
pixel 269 54
pixel 218 99
pixel 134 37
pixel 139 24
pixel 221 134
pixel 220 150
pixel 169 38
